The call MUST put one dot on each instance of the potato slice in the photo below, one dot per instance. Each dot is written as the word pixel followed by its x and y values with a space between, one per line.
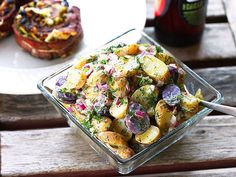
pixel 80 117
pixel 125 152
pixel 97 77
pixel 146 95
pixel 155 68
pixel 199 94
pixel 189 105
pixel 163 115
pixel 167 59
pixel 151 135
pixel 119 107
pixel 75 79
pixel 101 125
pixel 118 126
pixel 91 92
pixel 132 49
pixel 112 138
pixel 80 63
pixel 129 66
pixel 117 86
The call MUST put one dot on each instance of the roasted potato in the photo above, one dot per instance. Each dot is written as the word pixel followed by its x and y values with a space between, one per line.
pixel 129 67
pixel 112 138
pixel 119 107
pixel 131 49
pixel 155 68
pixel 118 86
pixel 167 59
pixel 91 92
pixel 163 115
pixel 124 152
pixel 146 95
pixel 97 77
pixel 75 79
pixel 189 104
pixel 80 63
pixel 118 126
pixel 199 94
pixel 101 125
pixel 151 135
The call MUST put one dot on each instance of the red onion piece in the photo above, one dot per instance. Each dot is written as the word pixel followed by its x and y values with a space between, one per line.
pixel 117 101
pixel 127 87
pixel 70 109
pixel 88 70
pixel 81 106
pixel 140 114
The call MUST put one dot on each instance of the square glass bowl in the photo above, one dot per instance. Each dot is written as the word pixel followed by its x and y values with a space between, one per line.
pixel 125 166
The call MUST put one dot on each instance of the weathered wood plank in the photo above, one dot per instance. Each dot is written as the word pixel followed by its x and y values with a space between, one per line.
pixel 28 111
pixel 225 172
pixel 216 48
pixel 61 152
pixel 215 12
pixel 224 80
pixel 230 6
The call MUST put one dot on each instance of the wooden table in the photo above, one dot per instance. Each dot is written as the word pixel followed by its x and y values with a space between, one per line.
pixel 36 141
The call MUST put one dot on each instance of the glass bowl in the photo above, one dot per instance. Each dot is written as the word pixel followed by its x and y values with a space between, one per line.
pixel 125 166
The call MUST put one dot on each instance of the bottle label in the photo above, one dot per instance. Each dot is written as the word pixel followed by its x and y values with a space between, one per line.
pixel 193 11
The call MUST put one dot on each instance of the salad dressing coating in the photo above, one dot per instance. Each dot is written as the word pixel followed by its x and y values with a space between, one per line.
pixel 129 96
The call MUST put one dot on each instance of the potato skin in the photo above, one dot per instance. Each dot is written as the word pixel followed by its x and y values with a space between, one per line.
pixel 76 79
pixel 156 69
pixel 112 138
pixel 163 115
pixel 102 125
pixel 118 87
pixel 189 104
pixel 119 111
pixel 125 152
pixel 151 135
pixel 97 77
pixel 146 96
pixel 118 126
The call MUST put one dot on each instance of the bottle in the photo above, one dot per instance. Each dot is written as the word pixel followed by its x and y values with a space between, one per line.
pixel 180 22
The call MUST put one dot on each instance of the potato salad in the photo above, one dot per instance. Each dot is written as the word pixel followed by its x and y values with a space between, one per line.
pixel 127 96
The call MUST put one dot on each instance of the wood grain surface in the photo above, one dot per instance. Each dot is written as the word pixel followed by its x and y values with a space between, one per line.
pixel 62 152
pixel 223 79
pixel 224 172
pixel 28 111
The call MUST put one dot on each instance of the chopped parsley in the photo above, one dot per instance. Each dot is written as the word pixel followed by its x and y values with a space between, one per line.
pixel 159 49
pixel 111 80
pixel 142 80
pixel 123 101
pixel 103 62
pixel 87 123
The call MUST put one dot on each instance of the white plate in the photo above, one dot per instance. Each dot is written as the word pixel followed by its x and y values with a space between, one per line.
pixel 102 20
